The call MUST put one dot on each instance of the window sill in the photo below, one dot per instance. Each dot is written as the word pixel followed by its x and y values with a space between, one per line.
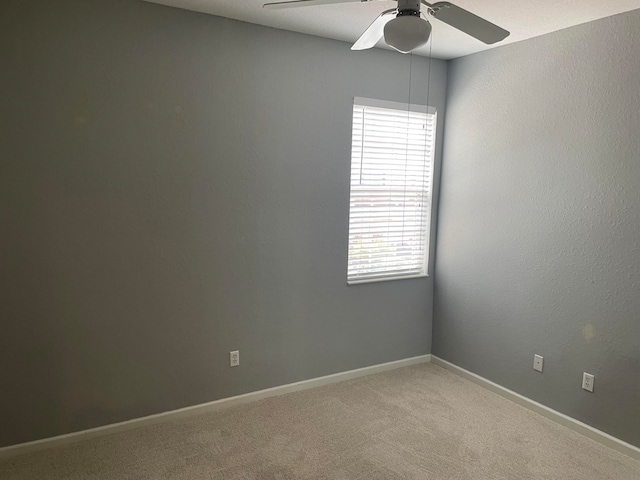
pixel 385 279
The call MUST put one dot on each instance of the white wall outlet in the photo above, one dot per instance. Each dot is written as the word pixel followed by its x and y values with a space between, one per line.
pixel 587 381
pixel 537 362
pixel 234 358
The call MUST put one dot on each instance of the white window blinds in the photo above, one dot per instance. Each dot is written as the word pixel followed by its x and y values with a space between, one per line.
pixel 391 179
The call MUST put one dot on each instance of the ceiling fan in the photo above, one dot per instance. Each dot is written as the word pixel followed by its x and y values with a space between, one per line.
pixel 406 27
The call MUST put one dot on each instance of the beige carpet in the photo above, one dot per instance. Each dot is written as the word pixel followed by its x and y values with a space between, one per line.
pixel 419 422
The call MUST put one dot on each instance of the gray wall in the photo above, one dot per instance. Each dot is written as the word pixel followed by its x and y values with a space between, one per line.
pixel 175 186
pixel 539 231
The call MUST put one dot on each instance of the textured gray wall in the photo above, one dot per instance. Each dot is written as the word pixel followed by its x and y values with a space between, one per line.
pixel 175 186
pixel 538 239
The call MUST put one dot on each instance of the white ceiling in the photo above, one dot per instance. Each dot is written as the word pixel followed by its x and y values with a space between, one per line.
pixel 524 19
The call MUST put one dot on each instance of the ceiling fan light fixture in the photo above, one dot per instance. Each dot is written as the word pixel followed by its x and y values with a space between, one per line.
pixel 405 33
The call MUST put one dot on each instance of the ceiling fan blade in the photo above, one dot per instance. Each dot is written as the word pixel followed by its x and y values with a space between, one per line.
pixel 467 22
pixel 374 32
pixel 304 3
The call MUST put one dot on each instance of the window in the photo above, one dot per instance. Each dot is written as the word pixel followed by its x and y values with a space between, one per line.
pixel 392 155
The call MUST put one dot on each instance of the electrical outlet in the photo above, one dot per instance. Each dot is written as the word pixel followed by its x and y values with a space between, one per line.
pixel 587 381
pixel 537 362
pixel 234 358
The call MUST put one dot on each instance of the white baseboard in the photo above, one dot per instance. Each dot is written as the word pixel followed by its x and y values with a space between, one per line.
pixel 83 435
pixel 561 418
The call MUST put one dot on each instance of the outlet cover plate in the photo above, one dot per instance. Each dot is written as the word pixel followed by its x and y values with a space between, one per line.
pixel 538 361
pixel 234 358
pixel 587 381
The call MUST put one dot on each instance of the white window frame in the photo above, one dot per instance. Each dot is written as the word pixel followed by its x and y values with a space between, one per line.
pixel 427 190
